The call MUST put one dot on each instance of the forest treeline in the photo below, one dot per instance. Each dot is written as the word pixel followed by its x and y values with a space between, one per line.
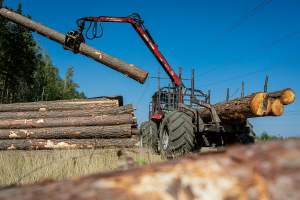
pixel 27 72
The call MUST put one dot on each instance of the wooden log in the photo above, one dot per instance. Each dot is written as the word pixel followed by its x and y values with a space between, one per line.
pixel 254 105
pixel 69 121
pixel 114 97
pixel 266 171
pixel 287 95
pixel 73 132
pixel 235 109
pixel 127 109
pixel 276 108
pixel 99 56
pixel 42 144
pixel 59 105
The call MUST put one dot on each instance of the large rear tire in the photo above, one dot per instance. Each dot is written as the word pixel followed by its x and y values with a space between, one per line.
pixel 149 136
pixel 176 134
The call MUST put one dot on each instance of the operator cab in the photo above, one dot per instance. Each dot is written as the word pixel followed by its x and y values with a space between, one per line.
pixel 162 102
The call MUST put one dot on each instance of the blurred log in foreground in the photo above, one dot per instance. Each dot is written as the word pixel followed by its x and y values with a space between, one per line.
pixel 128 69
pixel 265 171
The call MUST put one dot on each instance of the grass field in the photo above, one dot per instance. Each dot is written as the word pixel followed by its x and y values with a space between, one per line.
pixel 15 164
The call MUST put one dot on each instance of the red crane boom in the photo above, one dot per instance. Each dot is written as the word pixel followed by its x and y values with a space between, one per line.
pixel 137 24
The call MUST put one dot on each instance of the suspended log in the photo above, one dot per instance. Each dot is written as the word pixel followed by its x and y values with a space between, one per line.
pixel 266 171
pixel 59 105
pixel 73 132
pixel 69 121
pixel 128 109
pixel 99 56
pixel 287 96
pixel 41 144
pixel 254 105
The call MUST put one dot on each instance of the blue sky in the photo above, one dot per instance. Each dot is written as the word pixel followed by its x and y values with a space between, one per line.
pixel 187 35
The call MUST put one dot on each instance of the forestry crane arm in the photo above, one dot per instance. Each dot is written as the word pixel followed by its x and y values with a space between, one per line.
pixel 74 38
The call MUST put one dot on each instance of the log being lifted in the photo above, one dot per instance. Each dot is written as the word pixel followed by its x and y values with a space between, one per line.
pixel 254 105
pixel 266 171
pixel 68 121
pixel 99 56
pixel 127 109
pixel 59 105
pixel 41 144
pixel 73 132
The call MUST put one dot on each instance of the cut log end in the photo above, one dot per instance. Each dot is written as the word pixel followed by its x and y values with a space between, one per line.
pixel 287 96
pixel 277 107
pixel 257 103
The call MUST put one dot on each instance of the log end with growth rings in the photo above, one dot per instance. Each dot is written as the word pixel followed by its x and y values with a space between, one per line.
pixel 257 103
pixel 287 96
pixel 277 107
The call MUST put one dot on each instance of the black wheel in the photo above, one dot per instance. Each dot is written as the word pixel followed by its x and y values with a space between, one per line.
pixel 149 137
pixel 176 134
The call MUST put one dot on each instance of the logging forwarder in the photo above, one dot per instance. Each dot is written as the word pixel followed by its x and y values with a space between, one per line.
pixel 175 124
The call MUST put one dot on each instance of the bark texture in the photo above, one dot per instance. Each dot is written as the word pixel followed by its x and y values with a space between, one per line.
pixel 81 132
pixel 266 171
pixel 69 121
pixel 99 56
pixel 254 105
pixel 128 109
pixel 42 144
pixel 58 105
pixel 234 109
pixel 287 96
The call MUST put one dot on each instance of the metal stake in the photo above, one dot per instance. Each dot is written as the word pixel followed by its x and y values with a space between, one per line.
pixel 266 84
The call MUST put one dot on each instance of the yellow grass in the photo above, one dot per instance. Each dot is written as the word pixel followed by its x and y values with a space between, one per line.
pixel 15 164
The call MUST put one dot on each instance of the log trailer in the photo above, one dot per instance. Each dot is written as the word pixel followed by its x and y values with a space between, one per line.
pixel 175 125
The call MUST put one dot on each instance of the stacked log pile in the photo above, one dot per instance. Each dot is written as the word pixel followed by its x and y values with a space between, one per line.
pixel 265 171
pixel 254 105
pixel 86 123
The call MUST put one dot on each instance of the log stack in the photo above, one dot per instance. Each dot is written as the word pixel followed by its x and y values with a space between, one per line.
pixel 85 123
pixel 254 105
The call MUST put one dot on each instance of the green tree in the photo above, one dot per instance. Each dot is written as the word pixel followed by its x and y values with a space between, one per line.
pixel 18 58
pixel 27 72
pixel 69 86
pixel 266 136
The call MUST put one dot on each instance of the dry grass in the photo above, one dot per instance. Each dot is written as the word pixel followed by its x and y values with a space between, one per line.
pixel 15 164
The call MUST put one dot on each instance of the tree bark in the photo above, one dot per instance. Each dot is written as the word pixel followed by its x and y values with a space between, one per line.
pixel 69 121
pixel 254 105
pixel 287 95
pixel 235 109
pixel 41 144
pixel 127 109
pixel 59 105
pixel 72 132
pixel 99 56
pixel 266 171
